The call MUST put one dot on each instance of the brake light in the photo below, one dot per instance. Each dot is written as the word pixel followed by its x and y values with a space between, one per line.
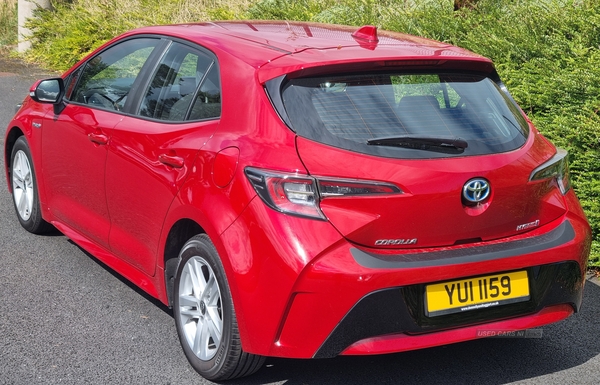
pixel 558 168
pixel 300 195
pixel 288 193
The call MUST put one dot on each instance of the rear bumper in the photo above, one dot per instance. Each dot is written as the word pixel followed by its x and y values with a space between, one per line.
pixel 341 306
pixel 334 298
pixel 398 315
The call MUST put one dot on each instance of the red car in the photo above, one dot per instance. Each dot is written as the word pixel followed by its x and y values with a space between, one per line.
pixel 303 190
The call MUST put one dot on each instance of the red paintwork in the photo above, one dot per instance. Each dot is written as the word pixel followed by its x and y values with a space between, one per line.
pixel 76 196
pixel 134 169
pixel 292 279
pixel 225 165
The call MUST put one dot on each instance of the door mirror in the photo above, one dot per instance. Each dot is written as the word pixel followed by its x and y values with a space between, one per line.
pixel 48 91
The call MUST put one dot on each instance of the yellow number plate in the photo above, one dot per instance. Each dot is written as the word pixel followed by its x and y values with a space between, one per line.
pixel 476 293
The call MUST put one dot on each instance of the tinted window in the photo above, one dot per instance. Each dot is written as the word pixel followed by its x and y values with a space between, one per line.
pixel 207 103
pixel 349 111
pixel 108 77
pixel 183 75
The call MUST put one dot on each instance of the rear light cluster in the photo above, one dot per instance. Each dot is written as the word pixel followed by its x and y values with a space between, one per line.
pixel 300 194
pixel 558 168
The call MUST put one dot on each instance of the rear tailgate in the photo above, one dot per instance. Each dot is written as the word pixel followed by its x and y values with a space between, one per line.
pixel 431 211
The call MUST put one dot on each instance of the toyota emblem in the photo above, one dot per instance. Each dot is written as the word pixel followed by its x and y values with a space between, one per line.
pixel 476 190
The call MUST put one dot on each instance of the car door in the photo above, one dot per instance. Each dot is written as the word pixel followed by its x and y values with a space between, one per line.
pixel 150 155
pixel 75 140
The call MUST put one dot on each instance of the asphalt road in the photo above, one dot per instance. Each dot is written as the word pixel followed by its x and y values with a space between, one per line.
pixel 67 319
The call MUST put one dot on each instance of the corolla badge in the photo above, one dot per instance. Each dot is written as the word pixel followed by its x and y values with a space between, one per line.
pixel 385 242
pixel 476 190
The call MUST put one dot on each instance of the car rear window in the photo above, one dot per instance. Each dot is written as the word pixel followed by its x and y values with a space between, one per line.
pixel 354 111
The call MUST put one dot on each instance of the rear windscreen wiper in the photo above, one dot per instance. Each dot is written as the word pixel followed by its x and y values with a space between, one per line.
pixel 427 143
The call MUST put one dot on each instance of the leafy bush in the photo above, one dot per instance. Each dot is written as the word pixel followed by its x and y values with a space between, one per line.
pixel 72 29
pixel 547 52
pixel 305 10
pixel 8 22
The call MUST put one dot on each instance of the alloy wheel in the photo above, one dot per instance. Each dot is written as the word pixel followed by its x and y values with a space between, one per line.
pixel 23 191
pixel 200 310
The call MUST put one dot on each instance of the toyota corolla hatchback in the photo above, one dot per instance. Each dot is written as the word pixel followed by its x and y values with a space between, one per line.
pixel 303 190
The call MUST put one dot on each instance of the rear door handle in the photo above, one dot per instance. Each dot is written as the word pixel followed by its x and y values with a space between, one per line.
pixel 171 160
pixel 98 138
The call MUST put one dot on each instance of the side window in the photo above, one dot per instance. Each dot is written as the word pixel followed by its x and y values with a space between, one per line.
pixel 175 83
pixel 208 101
pixel 108 77
pixel 184 75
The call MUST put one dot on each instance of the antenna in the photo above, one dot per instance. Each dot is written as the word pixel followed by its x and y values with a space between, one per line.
pixel 367 33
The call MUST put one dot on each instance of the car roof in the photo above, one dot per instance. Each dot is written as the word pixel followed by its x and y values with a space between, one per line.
pixel 280 47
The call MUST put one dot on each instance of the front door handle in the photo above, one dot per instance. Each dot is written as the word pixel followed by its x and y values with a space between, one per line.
pixel 171 160
pixel 98 138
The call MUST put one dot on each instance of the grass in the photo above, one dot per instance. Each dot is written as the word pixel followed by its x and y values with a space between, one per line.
pixel 8 23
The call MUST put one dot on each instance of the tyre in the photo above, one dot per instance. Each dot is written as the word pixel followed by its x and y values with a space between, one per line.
pixel 25 190
pixel 205 316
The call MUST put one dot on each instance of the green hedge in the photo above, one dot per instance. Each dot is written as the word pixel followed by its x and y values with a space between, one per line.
pixel 8 23
pixel 546 51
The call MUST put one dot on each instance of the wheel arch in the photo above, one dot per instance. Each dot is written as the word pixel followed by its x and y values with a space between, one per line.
pixel 183 223
pixel 12 135
pixel 179 234
pixel 200 208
